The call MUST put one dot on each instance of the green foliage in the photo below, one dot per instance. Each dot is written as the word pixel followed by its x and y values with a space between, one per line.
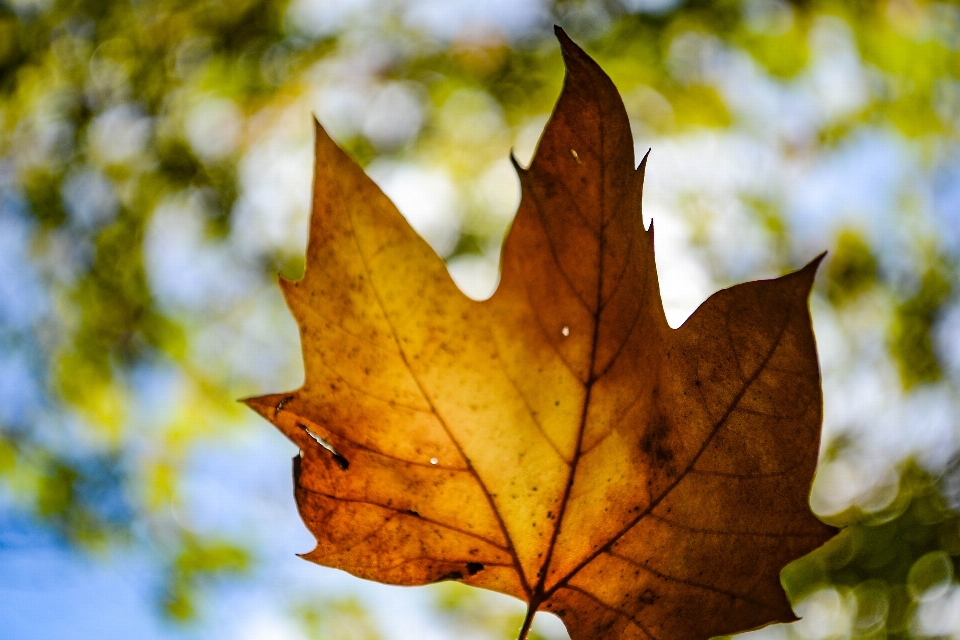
pixel 471 611
pixel 72 496
pixel 886 560
pixel 778 40
pixel 339 619
pixel 197 563
pixel 911 339
pixel 852 269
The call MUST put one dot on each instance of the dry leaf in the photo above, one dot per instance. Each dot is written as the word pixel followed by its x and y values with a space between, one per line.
pixel 558 442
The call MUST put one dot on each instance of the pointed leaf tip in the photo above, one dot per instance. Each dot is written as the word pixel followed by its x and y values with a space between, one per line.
pixel 516 164
pixel 572 51
pixel 642 167
pixel 260 404
pixel 269 406
pixel 589 117
pixel 809 271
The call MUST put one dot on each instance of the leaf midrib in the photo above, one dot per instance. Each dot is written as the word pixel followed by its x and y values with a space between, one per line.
pixel 539 596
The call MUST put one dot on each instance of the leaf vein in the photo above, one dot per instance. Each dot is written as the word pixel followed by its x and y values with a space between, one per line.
pixel 483 487
pixel 721 532
pixel 526 404
pixel 406 513
pixel 630 618
pixel 556 258
pixel 691 583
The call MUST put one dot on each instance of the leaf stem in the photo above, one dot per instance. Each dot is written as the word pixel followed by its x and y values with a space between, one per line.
pixel 527 622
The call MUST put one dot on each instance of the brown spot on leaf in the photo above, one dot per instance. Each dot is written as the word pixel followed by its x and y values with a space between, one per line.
pixel 655 442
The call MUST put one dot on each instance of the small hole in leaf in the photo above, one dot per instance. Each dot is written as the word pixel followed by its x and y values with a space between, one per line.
pixel 565 331
pixel 434 461
pixel 576 157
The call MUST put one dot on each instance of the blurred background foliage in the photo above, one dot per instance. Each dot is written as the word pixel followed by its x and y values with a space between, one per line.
pixel 155 163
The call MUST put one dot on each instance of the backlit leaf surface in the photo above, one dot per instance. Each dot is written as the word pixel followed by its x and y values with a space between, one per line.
pixel 558 442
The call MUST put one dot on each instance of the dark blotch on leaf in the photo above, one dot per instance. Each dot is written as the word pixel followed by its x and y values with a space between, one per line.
pixel 654 442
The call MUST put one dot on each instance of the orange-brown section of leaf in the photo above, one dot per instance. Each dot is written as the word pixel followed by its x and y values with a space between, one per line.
pixel 558 442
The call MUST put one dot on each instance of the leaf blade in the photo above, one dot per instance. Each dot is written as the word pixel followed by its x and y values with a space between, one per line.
pixel 558 442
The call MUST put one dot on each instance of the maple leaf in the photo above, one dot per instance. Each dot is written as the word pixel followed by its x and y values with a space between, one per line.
pixel 558 442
